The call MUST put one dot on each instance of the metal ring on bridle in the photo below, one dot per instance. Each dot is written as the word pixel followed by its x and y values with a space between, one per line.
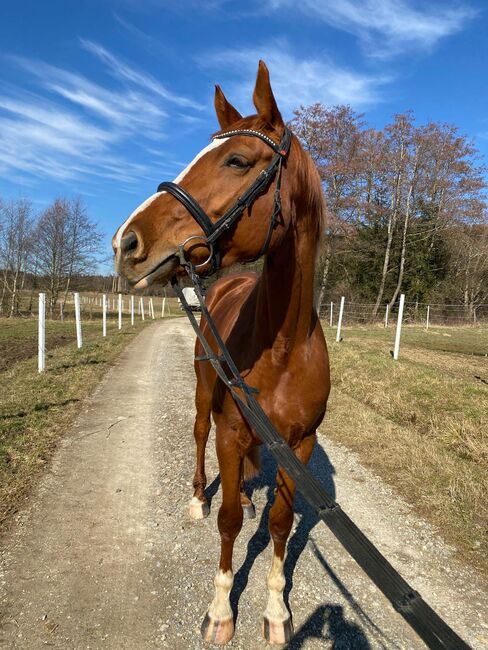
pixel 208 244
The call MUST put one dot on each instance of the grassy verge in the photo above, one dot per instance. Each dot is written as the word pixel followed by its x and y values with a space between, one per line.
pixel 36 409
pixel 421 422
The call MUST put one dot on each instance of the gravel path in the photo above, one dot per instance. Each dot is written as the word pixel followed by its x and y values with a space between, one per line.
pixel 105 555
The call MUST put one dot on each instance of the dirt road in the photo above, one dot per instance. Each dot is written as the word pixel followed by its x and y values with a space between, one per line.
pixel 105 555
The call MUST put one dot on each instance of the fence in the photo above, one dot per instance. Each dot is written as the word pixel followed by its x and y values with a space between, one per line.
pixel 346 314
pixel 424 314
pixel 96 306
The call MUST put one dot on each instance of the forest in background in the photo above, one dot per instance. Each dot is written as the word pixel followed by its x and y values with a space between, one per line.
pixel 407 213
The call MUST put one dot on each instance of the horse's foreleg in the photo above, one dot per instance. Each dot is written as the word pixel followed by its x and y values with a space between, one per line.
pixel 198 507
pixel 218 625
pixel 277 624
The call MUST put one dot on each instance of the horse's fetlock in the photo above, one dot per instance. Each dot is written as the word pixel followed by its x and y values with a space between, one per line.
pixel 276 582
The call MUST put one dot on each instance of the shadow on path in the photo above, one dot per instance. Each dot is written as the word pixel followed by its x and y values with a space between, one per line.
pixel 328 623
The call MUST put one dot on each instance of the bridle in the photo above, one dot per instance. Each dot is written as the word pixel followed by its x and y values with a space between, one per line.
pixel 214 230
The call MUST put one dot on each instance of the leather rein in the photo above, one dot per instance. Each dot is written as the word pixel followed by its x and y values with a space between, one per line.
pixel 214 230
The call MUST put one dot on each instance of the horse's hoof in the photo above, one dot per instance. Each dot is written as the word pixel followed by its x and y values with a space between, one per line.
pixel 277 632
pixel 249 511
pixel 217 631
pixel 198 509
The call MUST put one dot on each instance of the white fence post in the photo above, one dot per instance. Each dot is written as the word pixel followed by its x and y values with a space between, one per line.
pixel 41 362
pixel 104 315
pixel 79 340
pixel 428 318
pixel 132 310
pixel 162 307
pixel 151 308
pixel 120 310
pixel 331 311
pixel 386 314
pixel 141 304
pixel 398 333
pixel 339 324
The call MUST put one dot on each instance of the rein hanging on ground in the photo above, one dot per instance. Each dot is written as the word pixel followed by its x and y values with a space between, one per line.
pixel 436 634
pixel 214 230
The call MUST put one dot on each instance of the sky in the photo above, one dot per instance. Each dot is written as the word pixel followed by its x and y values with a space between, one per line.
pixel 104 99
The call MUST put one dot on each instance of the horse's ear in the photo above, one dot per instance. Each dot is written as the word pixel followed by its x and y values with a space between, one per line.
pixel 263 98
pixel 226 113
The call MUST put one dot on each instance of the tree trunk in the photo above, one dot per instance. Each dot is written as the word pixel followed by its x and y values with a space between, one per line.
pixel 323 284
pixel 404 239
pixel 391 228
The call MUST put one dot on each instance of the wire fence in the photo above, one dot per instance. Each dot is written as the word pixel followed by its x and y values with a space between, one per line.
pixel 422 314
pixel 92 306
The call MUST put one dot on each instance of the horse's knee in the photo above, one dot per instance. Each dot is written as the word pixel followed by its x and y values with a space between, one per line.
pixel 229 521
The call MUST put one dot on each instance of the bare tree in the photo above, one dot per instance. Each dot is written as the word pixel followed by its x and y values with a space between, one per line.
pixel 15 249
pixel 67 244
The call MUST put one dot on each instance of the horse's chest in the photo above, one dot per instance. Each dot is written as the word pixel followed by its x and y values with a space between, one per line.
pixel 294 397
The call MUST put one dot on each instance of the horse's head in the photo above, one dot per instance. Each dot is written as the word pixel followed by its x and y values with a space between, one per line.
pixel 148 243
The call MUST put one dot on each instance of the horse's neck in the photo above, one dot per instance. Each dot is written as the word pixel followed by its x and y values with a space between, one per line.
pixel 284 307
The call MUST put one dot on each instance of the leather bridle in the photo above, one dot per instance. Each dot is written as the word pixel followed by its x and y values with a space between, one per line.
pixel 214 230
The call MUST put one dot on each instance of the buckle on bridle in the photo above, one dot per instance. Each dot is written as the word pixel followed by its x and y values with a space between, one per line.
pixel 209 245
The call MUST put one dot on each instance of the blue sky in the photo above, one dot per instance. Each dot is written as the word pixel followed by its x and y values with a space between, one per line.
pixel 106 98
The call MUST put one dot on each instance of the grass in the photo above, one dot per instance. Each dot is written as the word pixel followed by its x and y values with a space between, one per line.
pixel 420 422
pixel 37 409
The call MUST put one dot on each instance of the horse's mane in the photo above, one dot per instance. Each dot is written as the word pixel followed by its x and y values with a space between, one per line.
pixel 307 176
pixel 314 212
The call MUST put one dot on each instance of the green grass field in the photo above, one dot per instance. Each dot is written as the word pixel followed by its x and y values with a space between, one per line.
pixel 420 422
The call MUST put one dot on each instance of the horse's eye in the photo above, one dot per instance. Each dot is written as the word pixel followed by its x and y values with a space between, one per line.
pixel 237 161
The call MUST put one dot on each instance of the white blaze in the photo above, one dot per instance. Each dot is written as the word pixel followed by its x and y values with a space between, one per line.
pixel 213 145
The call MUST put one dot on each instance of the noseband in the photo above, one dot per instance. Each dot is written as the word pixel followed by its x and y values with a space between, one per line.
pixel 214 230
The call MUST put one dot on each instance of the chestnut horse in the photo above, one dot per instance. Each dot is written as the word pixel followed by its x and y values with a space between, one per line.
pixel 268 322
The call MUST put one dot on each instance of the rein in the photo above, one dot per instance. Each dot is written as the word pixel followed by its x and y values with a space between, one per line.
pixel 214 230
pixel 406 601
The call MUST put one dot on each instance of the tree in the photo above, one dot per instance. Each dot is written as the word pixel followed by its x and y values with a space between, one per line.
pixel 68 243
pixel 16 242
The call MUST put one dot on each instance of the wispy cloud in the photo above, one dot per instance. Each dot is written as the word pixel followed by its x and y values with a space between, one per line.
pixel 70 128
pixel 387 27
pixel 42 139
pixel 121 107
pixel 125 72
pixel 296 80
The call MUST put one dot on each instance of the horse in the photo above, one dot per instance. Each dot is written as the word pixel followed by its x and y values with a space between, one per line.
pixel 268 321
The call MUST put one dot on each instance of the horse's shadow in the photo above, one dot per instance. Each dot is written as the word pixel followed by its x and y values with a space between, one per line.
pixel 327 622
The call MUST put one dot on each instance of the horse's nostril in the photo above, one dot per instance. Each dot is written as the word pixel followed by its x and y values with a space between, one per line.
pixel 129 242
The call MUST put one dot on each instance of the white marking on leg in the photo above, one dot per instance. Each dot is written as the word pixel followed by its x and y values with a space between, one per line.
pixel 214 144
pixel 220 608
pixel 275 608
pixel 198 509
